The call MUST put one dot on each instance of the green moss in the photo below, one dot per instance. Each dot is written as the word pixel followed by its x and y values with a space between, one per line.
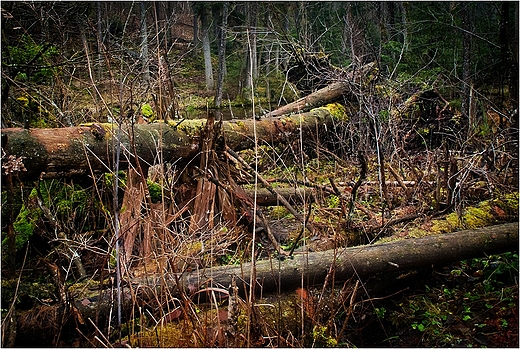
pixel 64 200
pixel 441 226
pixel 278 212
pixel 25 222
pixel 477 217
pixel 321 338
pixel 508 203
pixel 147 111
pixel 108 179
pixel 336 110
pixel 454 220
pixel 484 214
pixel 155 191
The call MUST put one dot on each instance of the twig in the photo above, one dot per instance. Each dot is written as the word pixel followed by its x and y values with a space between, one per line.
pixel 291 209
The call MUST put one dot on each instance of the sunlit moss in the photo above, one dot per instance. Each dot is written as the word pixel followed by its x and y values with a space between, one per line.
pixel 278 212
pixel 155 191
pixel 321 338
pixel 336 110
pixel 486 213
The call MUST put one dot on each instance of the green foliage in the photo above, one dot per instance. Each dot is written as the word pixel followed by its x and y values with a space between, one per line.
pixel 480 288
pixel 321 338
pixel 65 202
pixel 25 52
pixel 108 179
pixel 333 201
pixel 32 112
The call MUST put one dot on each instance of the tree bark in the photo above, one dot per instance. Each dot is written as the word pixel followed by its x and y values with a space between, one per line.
pixel 144 57
pixel 328 94
pixel 466 63
pixel 222 55
pixel 206 49
pixel 363 261
pixel 86 150
pixel 250 46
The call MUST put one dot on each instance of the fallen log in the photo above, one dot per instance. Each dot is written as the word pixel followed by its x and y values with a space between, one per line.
pixel 363 261
pixel 82 150
pixel 329 93
pixel 294 195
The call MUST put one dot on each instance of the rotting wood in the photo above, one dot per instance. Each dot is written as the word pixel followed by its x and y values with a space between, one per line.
pixel 295 195
pixel 130 217
pixel 74 151
pixel 201 218
pixel 363 261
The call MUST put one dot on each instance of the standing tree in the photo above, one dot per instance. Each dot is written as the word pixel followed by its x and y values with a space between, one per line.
pixel 466 61
pixel 200 9
pixel 144 57
pixel 222 55
pixel 251 38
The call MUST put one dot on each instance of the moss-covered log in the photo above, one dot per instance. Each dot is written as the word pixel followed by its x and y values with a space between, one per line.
pixel 73 151
pixel 364 261
pixel 283 275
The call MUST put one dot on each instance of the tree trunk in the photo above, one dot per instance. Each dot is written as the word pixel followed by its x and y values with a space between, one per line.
pixel 206 49
pixel 145 60
pixel 222 55
pixel 313 267
pixel 466 62
pixel 368 260
pixel 327 94
pixel 99 37
pixel 250 49
pixel 83 150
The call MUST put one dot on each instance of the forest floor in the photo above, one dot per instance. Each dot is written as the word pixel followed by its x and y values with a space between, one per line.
pixel 472 303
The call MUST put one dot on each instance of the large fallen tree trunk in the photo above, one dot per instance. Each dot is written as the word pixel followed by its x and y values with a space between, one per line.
pixel 313 267
pixel 362 260
pixel 76 151
pixel 328 94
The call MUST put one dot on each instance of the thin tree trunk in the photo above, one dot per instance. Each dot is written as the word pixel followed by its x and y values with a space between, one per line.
pixel 145 60
pixel 251 57
pixel 206 49
pixel 99 37
pixel 222 55
pixel 466 61
pixel 196 40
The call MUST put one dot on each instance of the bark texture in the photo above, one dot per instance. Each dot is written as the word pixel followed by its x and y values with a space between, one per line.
pixel 80 151
pixel 273 274
pixel 363 260
pixel 329 93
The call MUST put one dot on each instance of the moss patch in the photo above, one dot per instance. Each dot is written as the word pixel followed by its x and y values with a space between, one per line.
pixel 486 213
